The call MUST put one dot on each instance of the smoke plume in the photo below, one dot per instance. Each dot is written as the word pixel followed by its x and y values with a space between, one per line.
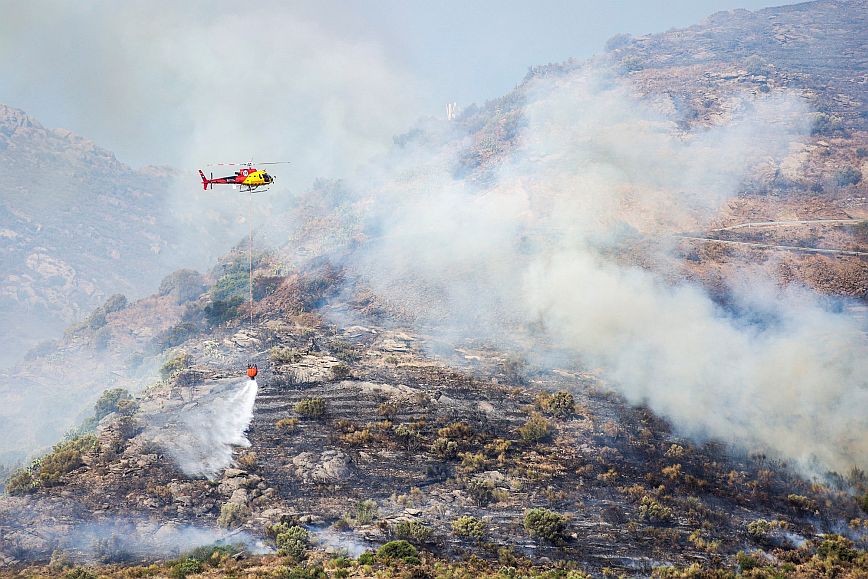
pixel 119 540
pixel 551 243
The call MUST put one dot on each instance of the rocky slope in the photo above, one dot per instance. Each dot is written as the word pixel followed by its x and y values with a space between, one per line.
pixel 362 435
pixel 371 423
pixel 76 225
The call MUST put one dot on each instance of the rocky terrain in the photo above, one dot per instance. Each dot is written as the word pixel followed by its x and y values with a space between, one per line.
pixel 374 428
pixel 362 435
pixel 76 225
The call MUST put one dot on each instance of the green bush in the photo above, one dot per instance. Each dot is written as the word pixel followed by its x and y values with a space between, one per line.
pixel 469 527
pixel 286 424
pixel 826 124
pixel 232 515
pixel 388 410
pixel 802 502
pixel 632 64
pixel 864 503
pixel 368 558
pixel 746 561
pixel 21 483
pixel 312 572
pixel 514 369
pixel 79 573
pixel 652 511
pixel 848 176
pixel 183 285
pixel 444 448
pixel 561 404
pixel 219 311
pixel 310 407
pixel 176 335
pixel 618 41
pixel 212 553
pixel 408 434
pixel 755 65
pixel 292 541
pixel 99 317
pixel 480 491
pixel 366 512
pixel 47 470
pixel 186 567
pixel 344 351
pixel 838 549
pixel 536 429
pixel 545 524
pixel 282 355
pixel 411 531
pixel 397 551
pixel 180 360
pixel 114 400
pixel 759 529
pixel 231 285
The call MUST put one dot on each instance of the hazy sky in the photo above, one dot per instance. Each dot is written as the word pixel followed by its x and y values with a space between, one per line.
pixel 179 83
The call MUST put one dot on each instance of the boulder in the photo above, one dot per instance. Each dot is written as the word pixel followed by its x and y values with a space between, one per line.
pixel 332 466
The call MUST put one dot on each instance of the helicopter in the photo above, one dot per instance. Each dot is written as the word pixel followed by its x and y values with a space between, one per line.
pixel 249 178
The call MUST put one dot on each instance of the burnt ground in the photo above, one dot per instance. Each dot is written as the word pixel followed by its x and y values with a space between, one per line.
pixel 386 401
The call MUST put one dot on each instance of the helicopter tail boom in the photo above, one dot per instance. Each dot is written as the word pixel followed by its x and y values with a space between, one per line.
pixel 204 180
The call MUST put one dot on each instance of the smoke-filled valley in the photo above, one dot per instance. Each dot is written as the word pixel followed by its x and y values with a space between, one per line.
pixel 610 323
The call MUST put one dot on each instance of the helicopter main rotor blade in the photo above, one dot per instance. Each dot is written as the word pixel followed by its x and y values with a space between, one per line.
pixel 247 164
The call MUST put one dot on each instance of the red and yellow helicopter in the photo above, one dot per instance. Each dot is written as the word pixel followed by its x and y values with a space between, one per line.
pixel 248 179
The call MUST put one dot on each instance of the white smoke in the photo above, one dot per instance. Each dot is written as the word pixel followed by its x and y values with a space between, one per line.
pixel 201 435
pixel 546 245
pixel 118 539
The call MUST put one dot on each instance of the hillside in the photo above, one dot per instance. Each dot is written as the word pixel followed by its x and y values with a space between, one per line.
pixel 610 324
pixel 76 225
pixel 361 415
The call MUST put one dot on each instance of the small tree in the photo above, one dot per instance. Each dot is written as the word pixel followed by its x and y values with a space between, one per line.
pixel 183 285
